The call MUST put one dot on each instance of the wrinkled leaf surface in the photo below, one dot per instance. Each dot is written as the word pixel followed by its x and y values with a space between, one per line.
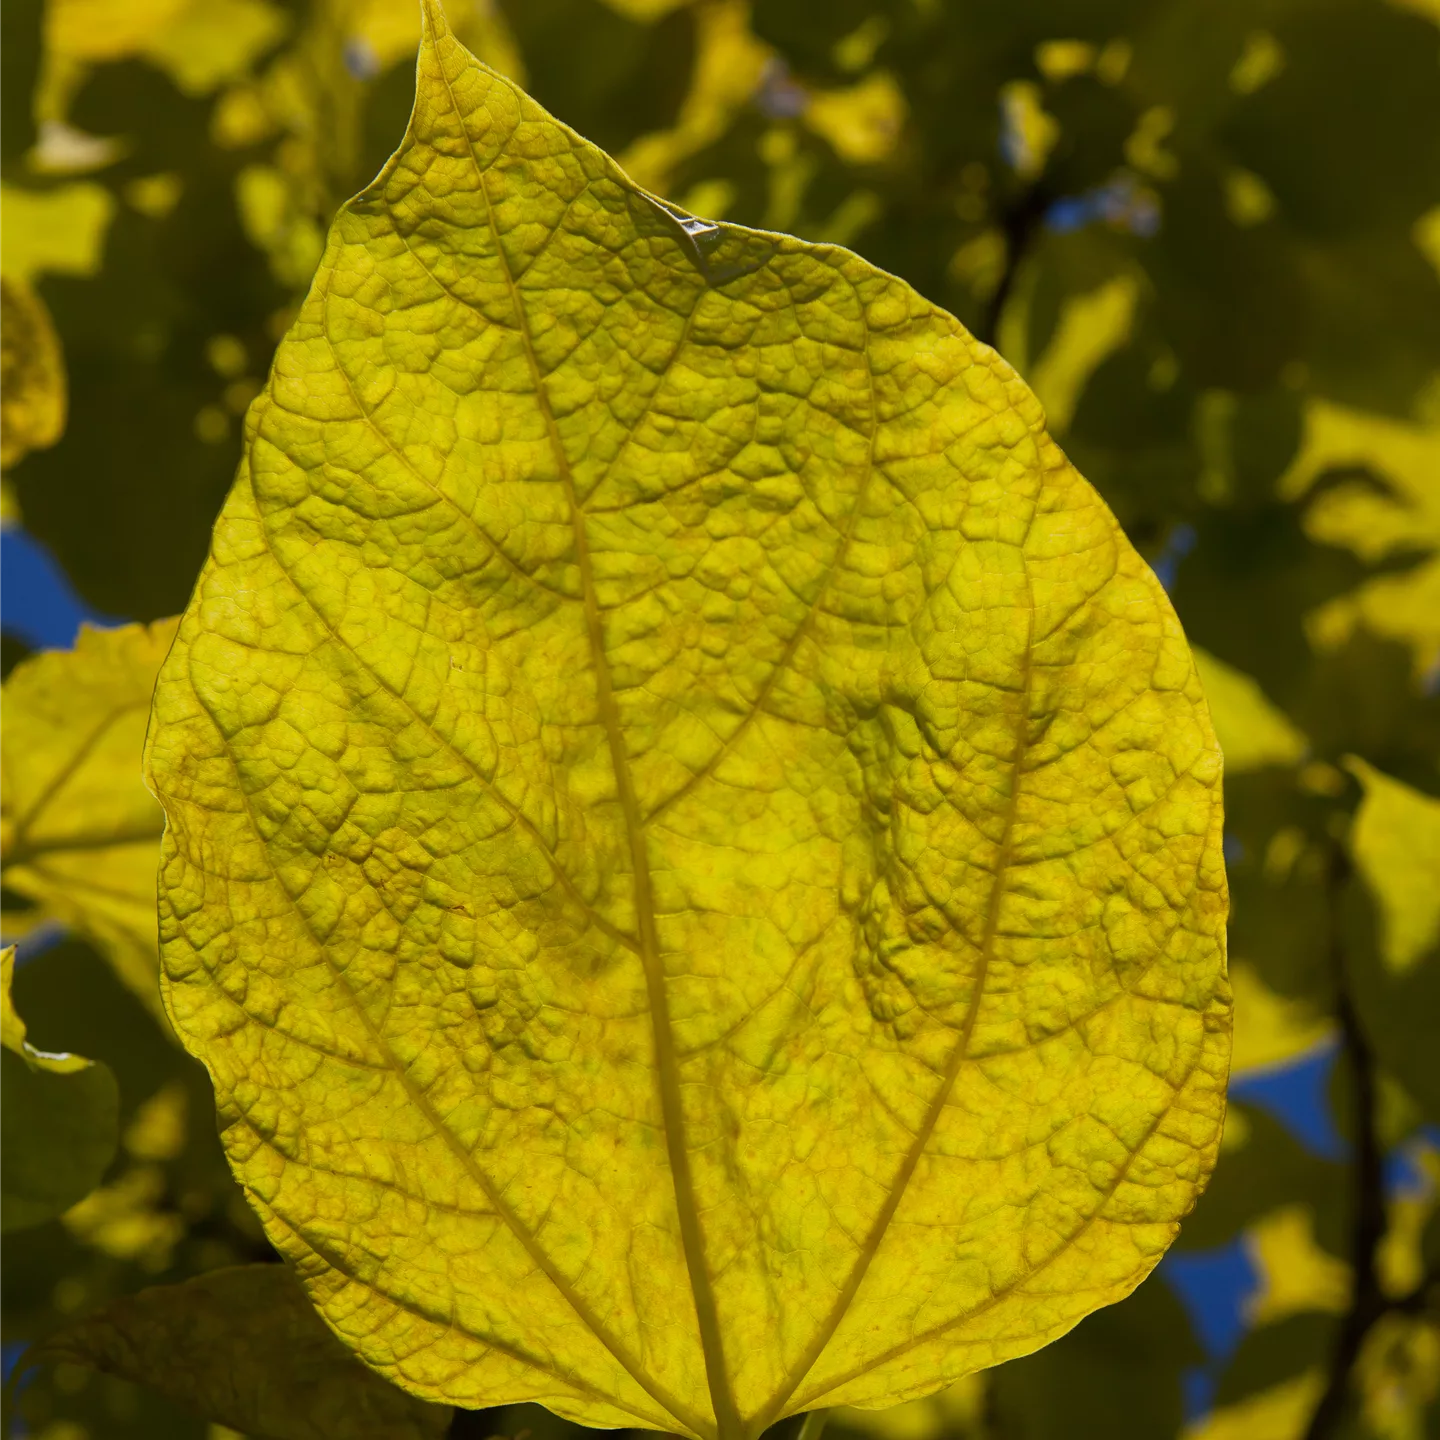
pixel 694 841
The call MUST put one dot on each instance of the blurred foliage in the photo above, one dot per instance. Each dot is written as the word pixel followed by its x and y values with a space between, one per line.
pixel 1207 231
pixel 78 829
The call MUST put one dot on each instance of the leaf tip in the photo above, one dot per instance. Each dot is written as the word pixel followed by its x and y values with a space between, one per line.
pixel 434 27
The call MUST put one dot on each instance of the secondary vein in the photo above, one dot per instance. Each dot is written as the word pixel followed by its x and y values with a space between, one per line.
pixel 666 1061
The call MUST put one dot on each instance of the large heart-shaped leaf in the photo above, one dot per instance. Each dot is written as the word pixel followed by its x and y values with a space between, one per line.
pixel 694 841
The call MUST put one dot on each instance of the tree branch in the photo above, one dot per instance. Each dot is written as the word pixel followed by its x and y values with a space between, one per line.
pixel 1367 1217
pixel 1020 223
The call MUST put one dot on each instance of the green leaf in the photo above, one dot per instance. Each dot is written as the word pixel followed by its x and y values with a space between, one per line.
pixel 243 1347
pixel 694 842
pixel 60 1122
pixel 80 831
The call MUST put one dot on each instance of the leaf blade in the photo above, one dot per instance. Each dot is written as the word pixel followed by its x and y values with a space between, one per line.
pixel 81 832
pixel 835 609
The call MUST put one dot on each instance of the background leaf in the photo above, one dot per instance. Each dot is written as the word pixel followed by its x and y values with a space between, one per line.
pixel 80 827
pixel 243 1347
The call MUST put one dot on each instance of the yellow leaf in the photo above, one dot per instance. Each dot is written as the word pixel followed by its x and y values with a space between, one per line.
pixel 1091 327
pixel 131 1219
pixel 1396 845
pixel 201 44
pixel 1059 60
pixel 243 1347
pixel 1279 1413
pixel 1252 732
pixel 729 66
pixel 694 841
pixel 157 1131
pixel 1398 1377
pixel 32 374
pixel 1403 606
pixel 1270 1029
pixel 1400 1256
pixel 862 122
pixel 96 30
pixel 213 42
pixel 80 831
pixel 1145 149
pixel 1296 1275
pixel 1034 130
pixel 60 231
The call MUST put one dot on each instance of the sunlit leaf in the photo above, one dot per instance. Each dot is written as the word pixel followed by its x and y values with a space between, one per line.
pixel 1377 523
pixel 861 122
pixel 243 1347
pixel 32 374
pixel 1296 1275
pixel 201 44
pixel 1091 326
pixel 956 1413
pixel 1400 1261
pixel 1398 1377
pixel 1396 844
pixel 1269 1028
pixel 1279 1413
pixel 1251 730
pixel 60 1121
pixel 81 832
pixel 59 231
pixel 694 841
pixel 729 67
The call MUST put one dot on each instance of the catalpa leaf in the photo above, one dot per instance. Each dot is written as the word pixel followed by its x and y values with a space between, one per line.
pixel 32 374
pixel 694 842
pixel 80 831
pixel 60 1122
pixel 243 1347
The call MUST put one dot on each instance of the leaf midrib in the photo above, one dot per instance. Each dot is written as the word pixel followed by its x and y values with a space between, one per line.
pixel 727 1418
pixel 881 1225
pixel 728 1421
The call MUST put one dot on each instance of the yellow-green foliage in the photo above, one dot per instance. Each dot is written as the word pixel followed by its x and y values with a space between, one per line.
pixel 59 1121
pixel 243 1346
pixel 79 828
pixel 693 852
